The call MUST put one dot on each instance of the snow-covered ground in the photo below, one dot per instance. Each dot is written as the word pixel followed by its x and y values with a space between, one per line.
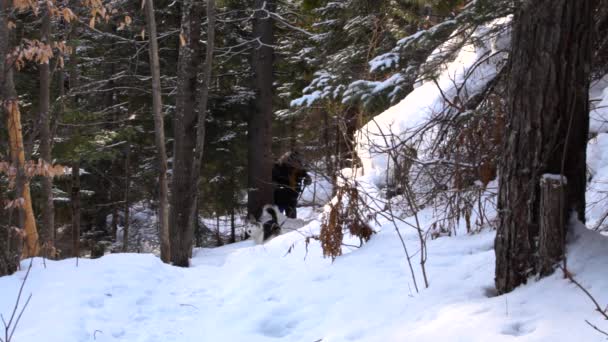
pixel 244 292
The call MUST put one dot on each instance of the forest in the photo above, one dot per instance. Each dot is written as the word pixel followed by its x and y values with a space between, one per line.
pixel 303 170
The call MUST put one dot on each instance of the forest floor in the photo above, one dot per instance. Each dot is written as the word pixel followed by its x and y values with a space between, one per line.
pixel 285 291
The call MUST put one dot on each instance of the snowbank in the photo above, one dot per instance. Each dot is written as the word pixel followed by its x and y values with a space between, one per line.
pixel 473 68
pixel 598 95
pixel 318 193
pixel 597 187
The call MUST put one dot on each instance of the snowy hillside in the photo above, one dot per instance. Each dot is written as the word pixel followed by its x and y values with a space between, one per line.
pixel 244 292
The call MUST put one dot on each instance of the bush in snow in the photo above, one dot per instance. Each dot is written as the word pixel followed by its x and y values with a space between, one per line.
pixel 344 216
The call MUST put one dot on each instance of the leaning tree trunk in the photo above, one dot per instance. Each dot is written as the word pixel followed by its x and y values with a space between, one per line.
pixel 183 194
pixel 10 104
pixel 10 253
pixel 259 132
pixel 159 135
pixel 47 230
pixel 547 128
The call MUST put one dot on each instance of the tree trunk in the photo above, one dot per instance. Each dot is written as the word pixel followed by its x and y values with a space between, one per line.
pixel 125 232
pixel 202 114
pixel 183 193
pixel 75 208
pixel 26 219
pixel 159 129
pixel 346 128
pixel 47 236
pixel 552 235
pixel 547 127
pixel 259 130
pixel 27 222
pixel 10 252
pixel 232 226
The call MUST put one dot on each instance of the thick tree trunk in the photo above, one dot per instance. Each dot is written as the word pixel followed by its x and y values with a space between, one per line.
pixel 547 126
pixel 10 103
pixel 47 231
pixel 27 220
pixel 183 193
pixel 75 200
pixel 259 131
pixel 10 252
pixel 159 129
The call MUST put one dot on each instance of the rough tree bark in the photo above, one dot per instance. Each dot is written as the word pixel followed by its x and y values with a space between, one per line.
pixel 202 115
pixel 9 250
pixel 10 103
pixel 47 230
pixel 182 191
pixel 551 234
pixel 159 135
pixel 547 126
pixel 259 130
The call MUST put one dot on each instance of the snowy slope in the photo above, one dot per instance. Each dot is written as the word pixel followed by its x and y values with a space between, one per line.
pixel 475 66
pixel 244 292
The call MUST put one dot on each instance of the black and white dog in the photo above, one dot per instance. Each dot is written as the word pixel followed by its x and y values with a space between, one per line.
pixel 263 231
pixel 272 223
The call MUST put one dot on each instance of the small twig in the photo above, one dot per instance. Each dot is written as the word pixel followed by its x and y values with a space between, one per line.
pixel 189 305
pixel 95 334
pixel 598 308
pixel 10 328
pixel 19 316
pixel 596 328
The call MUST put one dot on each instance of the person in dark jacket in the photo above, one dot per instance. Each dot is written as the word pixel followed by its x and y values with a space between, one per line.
pixel 289 178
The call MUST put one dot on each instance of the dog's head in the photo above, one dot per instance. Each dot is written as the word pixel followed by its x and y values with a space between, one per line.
pixel 251 225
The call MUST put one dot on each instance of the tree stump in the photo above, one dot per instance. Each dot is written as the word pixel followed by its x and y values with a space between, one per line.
pixel 551 239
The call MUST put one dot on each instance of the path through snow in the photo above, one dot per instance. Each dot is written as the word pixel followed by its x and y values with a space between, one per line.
pixel 243 292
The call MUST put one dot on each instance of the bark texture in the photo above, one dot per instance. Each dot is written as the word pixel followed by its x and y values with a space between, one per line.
pixel 159 135
pixel 183 193
pixel 551 238
pixel 10 252
pixel 47 229
pixel 202 115
pixel 547 126
pixel 27 221
pixel 259 132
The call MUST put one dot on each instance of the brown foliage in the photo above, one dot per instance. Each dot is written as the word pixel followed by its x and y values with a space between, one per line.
pixel 344 216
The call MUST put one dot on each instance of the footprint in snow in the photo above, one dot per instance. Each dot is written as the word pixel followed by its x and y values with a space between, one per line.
pixel 278 324
pixel 518 329
pixel 96 302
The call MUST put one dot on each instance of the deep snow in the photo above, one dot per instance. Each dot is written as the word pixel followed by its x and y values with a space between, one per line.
pixel 244 292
